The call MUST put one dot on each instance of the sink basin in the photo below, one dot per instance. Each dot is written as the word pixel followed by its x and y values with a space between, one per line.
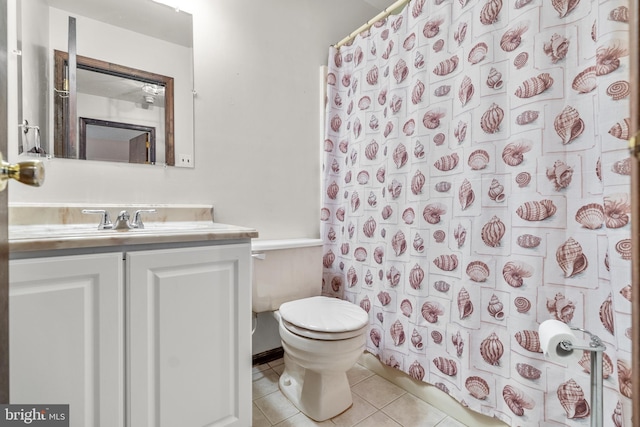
pixel 178 226
pixel 56 231
pixel 42 228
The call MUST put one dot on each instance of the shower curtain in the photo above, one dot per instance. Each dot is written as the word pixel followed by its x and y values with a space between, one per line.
pixel 476 183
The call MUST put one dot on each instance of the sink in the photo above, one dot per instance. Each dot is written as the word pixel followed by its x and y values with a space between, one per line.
pixel 56 231
pixel 39 228
pixel 178 226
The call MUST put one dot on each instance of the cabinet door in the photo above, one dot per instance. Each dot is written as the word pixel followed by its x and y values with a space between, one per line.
pixel 189 336
pixel 67 336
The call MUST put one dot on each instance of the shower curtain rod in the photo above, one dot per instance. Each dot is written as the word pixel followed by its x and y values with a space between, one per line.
pixel 394 8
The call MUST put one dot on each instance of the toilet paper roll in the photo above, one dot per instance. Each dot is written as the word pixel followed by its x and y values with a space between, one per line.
pixel 552 333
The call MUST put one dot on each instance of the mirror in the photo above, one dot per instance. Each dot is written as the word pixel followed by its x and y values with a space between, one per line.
pixel 126 49
pixel 142 100
pixel 116 142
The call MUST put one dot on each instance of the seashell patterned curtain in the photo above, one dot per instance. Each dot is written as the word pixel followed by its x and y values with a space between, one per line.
pixel 476 183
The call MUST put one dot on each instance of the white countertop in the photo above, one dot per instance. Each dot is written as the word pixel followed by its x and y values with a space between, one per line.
pixel 54 227
pixel 24 238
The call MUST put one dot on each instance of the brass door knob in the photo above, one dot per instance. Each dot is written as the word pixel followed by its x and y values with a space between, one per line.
pixel 30 172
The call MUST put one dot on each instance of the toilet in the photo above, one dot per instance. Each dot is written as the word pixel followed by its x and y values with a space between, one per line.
pixel 322 337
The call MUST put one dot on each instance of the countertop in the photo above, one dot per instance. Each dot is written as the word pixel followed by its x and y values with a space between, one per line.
pixel 24 238
pixel 52 228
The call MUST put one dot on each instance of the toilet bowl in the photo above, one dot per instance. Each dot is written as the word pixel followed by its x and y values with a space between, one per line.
pixel 322 339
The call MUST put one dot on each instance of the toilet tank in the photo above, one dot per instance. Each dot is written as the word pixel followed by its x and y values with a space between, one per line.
pixel 285 270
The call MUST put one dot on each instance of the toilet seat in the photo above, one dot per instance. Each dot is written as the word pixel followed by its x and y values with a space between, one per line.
pixel 323 318
pixel 323 336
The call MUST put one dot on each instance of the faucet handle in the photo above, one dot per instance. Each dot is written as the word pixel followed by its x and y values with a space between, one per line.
pixel 105 219
pixel 137 218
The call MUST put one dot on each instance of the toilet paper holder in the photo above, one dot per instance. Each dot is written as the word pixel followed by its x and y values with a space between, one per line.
pixel 596 343
pixel 596 347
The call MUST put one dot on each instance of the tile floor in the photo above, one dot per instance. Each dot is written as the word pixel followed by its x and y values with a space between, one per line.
pixel 376 403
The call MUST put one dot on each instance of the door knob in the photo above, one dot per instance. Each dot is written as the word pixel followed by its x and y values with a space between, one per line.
pixel 30 172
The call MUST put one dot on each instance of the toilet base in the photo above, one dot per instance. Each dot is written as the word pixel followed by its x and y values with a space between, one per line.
pixel 318 396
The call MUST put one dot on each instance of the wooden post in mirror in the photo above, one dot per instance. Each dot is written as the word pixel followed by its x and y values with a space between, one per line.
pixel 61 148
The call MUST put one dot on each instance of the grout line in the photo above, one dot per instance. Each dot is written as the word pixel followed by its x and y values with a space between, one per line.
pixel 263 414
pixel 402 395
pixel 373 374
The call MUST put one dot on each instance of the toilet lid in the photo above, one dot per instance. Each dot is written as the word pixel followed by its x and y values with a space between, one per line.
pixel 324 315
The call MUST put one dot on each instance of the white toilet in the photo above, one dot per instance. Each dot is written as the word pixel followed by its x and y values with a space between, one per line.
pixel 322 337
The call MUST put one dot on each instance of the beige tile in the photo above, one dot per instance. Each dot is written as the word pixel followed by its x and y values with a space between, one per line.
pixel 276 407
pixel 409 411
pixel 378 391
pixel 259 420
pixel 262 373
pixel 450 422
pixel 259 368
pixel 278 369
pixel 357 374
pixel 276 362
pixel 379 419
pixel 264 382
pixel 301 420
pixel 360 410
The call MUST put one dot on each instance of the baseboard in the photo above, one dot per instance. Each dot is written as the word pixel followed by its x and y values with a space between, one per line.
pixel 267 356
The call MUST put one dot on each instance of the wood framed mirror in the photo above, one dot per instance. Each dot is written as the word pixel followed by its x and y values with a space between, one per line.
pixel 150 87
pixel 116 142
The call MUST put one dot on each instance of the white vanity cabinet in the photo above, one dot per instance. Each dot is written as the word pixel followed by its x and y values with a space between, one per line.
pixel 66 329
pixel 137 338
pixel 189 358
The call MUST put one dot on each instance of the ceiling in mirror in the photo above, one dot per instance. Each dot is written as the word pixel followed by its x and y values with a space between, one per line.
pixel 120 88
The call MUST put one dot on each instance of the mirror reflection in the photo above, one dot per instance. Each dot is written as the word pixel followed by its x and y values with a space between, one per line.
pixel 116 97
pixel 116 142
pixel 139 36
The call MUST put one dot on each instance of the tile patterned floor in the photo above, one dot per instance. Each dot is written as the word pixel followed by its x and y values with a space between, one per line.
pixel 376 403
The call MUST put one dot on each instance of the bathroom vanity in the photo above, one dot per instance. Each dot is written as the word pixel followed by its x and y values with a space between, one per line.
pixel 147 327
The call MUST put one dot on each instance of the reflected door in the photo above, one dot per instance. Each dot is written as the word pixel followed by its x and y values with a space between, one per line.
pixel 139 149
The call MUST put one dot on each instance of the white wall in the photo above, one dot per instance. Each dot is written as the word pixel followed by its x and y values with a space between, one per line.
pixel 257 115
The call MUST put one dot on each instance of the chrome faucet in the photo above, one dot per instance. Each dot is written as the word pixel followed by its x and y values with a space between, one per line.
pixel 137 218
pixel 105 219
pixel 122 222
